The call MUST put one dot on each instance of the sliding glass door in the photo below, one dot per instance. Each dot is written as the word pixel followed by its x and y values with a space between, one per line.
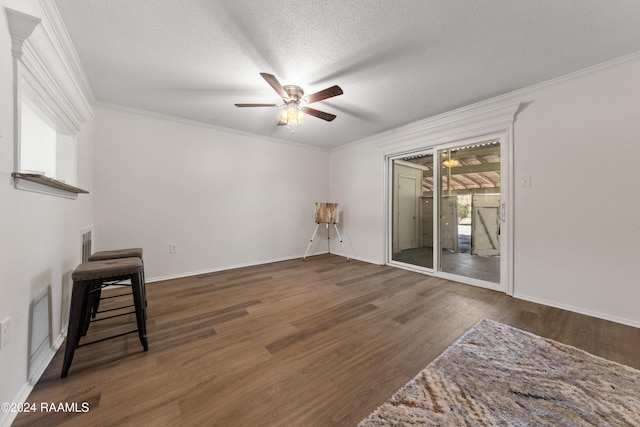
pixel 446 211
pixel 469 211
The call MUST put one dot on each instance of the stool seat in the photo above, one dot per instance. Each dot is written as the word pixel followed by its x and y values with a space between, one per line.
pixel 113 254
pixel 107 268
pixel 116 253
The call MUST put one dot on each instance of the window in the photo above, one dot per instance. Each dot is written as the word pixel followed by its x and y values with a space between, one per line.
pixel 46 146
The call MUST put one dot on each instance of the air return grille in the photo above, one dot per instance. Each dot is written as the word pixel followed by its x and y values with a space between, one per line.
pixel 86 245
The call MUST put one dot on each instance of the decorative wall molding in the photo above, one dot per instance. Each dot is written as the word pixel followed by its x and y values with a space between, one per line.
pixel 40 58
pixel 21 26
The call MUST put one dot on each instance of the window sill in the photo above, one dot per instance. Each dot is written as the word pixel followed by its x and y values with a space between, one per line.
pixel 42 184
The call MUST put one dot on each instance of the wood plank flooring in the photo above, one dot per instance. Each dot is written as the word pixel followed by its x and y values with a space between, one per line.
pixel 320 342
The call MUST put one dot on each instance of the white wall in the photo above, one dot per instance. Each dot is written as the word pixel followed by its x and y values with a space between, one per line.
pixel 225 199
pixel 575 230
pixel 576 227
pixel 357 183
pixel 39 234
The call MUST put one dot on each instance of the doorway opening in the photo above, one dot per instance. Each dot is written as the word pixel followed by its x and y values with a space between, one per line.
pixel 412 210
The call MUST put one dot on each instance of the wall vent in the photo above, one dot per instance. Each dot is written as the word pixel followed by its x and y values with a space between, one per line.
pixel 87 244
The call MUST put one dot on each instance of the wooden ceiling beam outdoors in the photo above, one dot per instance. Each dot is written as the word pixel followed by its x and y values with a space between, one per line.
pixel 483 178
pixel 475 152
pixel 463 170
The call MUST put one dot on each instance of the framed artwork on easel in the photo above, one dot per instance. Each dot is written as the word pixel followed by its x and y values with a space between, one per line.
pixel 327 213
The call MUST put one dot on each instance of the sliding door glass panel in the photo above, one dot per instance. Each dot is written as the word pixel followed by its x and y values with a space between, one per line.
pixel 469 211
pixel 412 210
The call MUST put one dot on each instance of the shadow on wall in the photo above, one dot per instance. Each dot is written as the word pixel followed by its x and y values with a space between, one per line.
pixel 40 327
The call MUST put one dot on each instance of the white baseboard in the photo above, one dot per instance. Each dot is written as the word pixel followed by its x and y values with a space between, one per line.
pixel 223 268
pixel 249 264
pixel 6 418
pixel 604 316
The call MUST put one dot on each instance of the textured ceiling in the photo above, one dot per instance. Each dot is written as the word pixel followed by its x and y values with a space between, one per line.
pixel 397 61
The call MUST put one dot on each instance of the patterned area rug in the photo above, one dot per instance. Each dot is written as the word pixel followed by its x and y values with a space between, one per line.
pixel 497 375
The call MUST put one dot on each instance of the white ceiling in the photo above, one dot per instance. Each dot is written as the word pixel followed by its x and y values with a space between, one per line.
pixel 398 61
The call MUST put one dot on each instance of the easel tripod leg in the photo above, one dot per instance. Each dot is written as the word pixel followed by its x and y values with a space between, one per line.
pixel 311 241
pixel 340 237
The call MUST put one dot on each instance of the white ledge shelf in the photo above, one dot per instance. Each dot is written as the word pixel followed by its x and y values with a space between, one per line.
pixel 43 184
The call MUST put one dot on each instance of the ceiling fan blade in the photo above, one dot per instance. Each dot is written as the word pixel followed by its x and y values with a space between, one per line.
pixel 256 105
pixel 281 123
pixel 329 92
pixel 319 114
pixel 275 84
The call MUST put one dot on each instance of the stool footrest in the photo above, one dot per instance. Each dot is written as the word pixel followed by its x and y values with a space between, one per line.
pixel 107 338
pixel 115 315
pixel 115 283
pixel 116 296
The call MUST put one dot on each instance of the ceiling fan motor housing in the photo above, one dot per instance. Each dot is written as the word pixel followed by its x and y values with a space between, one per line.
pixel 295 92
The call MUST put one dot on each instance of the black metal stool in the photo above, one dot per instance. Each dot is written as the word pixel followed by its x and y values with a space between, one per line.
pixel 88 278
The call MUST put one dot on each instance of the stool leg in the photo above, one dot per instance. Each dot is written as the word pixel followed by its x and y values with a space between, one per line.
pixel 144 286
pixel 91 308
pixel 137 286
pixel 77 312
pixel 95 305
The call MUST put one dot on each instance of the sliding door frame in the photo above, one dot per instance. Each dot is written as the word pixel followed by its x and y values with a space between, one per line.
pixel 450 130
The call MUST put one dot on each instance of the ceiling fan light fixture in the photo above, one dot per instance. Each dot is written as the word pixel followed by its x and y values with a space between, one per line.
pixel 451 163
pixel 292 114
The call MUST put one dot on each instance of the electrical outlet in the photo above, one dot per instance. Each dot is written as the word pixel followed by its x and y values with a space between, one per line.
pixel 173 248
pixel 4 332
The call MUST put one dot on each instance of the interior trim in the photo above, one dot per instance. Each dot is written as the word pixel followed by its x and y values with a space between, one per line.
pixel 39 183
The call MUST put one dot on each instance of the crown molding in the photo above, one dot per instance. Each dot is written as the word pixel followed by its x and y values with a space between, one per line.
pixel 66 49
pixel 196 123
pixel 379 139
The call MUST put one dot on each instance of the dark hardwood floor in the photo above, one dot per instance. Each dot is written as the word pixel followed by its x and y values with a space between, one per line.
pixel 320 342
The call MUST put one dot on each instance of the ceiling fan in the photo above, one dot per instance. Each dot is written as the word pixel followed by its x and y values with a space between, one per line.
pixel 295 102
